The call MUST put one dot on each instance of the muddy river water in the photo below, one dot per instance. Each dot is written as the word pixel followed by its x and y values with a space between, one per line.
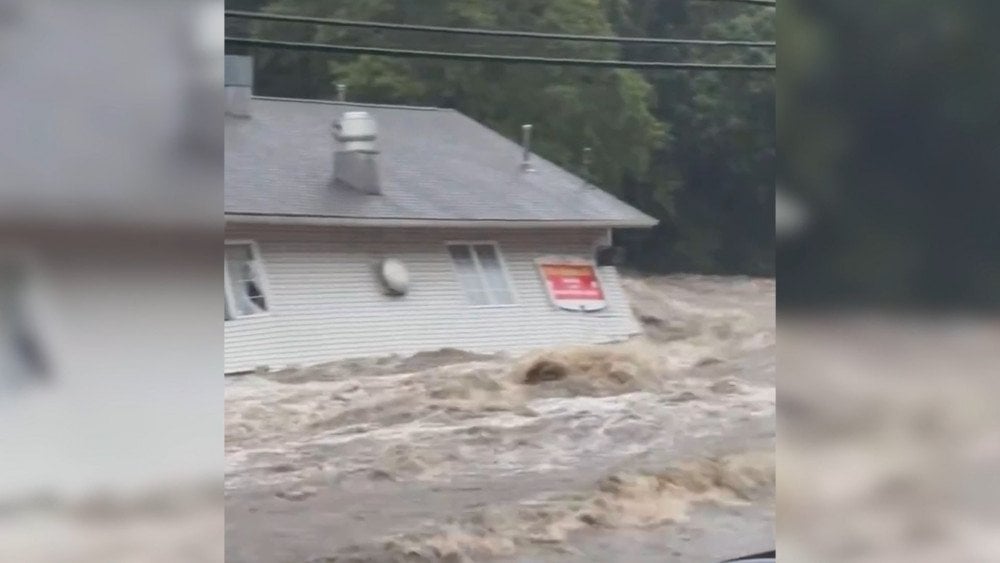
pixel 656 449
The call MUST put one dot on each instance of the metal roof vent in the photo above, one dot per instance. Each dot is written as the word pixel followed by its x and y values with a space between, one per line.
pixel 526 148
pixel 355 161
pixel 239 85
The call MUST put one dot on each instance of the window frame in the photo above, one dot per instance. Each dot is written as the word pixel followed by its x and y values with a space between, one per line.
pixel 470 245
pixel 265 286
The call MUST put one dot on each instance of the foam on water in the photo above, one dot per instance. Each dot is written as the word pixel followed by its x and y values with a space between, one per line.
pixel 625 500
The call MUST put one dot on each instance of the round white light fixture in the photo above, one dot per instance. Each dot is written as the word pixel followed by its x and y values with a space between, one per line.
pixel 395 276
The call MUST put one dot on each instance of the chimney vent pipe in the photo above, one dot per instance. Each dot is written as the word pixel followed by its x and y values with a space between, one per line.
pixel 238 85
pixel 355 160
pixel 526 145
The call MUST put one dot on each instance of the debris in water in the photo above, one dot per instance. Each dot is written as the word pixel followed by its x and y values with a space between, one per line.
pixel 724 387
pixel 598 370
pixel 545 370
pixel 297 494
pixel 684 397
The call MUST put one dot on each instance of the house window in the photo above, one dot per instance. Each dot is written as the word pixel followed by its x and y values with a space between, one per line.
pixel 244 274
pixel 481 273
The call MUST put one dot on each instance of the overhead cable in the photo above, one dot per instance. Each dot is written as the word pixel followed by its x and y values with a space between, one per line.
pixel 262 16
pixel 407 53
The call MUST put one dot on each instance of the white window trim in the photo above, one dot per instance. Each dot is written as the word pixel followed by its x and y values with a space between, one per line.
pixel 261 271
pixel 479 270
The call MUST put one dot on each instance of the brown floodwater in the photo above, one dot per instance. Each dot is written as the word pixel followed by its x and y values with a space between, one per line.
pixel 654 449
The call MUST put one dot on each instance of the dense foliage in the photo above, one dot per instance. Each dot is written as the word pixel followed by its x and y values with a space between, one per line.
pixel 694 149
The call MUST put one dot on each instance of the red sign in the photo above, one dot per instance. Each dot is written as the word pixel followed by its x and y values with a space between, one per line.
pixel 573 286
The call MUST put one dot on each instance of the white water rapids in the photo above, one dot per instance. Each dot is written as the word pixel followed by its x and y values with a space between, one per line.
pixel 659 446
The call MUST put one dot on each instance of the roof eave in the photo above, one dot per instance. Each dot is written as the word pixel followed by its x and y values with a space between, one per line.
pixel 269 219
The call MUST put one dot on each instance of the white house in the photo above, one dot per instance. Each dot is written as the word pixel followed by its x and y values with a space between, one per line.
pixel 356 230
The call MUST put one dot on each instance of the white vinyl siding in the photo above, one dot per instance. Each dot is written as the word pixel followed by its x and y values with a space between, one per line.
pixel 320 278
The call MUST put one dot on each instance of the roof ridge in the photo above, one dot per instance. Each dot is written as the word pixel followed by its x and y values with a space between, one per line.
pixel 340 103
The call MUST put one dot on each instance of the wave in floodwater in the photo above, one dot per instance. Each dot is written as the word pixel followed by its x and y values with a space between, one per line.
pixel 552 407
pixel 629 500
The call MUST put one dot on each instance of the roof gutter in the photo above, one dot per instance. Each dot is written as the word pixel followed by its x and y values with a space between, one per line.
pixel 455 223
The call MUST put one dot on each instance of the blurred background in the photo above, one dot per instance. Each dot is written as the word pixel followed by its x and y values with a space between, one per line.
pixel 110 339
pixel 888 257
pixel 888 135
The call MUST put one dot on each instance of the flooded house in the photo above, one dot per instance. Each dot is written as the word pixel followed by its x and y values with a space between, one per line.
pixel 360 230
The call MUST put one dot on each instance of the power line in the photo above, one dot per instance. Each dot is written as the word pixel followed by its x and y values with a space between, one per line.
pixel 761 3
pixel 326 48
pixel 496 32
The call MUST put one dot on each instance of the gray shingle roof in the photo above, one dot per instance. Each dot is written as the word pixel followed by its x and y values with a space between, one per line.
pixel 436 164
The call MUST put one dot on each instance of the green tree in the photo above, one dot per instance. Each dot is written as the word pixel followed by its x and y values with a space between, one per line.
pixel 608 110
pixel 713 182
